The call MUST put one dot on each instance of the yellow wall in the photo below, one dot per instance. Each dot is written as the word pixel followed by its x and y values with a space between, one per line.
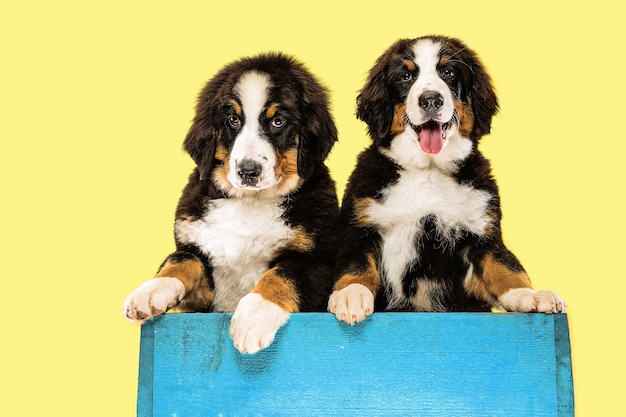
pixel 96 100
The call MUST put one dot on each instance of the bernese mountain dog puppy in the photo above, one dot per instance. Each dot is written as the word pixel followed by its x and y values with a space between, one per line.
pixel 253 223
pixel 421 212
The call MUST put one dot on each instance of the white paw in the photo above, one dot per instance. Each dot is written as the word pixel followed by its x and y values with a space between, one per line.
pixel 527 300
pixel 351 304
pixel 153 297
pixel 255 323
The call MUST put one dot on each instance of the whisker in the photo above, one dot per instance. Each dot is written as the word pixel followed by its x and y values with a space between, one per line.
pixel 458 60
pixel 458 52
pixel 464 63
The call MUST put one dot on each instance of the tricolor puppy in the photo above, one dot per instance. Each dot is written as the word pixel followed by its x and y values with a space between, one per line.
pixel 421 212
pixel 253 221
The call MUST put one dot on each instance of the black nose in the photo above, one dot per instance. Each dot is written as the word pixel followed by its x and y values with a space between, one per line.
pixel 431 101
pixel 249 171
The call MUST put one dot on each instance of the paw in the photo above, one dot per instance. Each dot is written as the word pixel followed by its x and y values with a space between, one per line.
pixel 153 297
pixel 351 304
pixel 255 323
pixel 526 300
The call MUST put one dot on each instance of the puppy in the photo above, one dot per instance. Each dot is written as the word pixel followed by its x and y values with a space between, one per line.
pixel 421 213
pixel 253 221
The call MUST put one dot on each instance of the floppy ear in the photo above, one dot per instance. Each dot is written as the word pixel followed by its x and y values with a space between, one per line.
pixel 316 141
pixel 483 99
pixel 319 133
pixel 374 103
pixel 201 140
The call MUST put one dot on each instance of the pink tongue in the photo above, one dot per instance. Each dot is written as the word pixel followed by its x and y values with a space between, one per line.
pixel 431 137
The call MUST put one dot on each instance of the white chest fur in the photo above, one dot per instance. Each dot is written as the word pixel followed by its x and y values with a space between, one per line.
pixel 397 215
pixel 240 237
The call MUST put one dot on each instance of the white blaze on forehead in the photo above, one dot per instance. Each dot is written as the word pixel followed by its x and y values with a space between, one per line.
pixel 252 90
pixel 427 58
pixel 251 144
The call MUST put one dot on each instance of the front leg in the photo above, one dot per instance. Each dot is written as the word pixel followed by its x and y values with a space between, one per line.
pixel 181 281
pixel 261 313
pixel 353 295
pixel 501 281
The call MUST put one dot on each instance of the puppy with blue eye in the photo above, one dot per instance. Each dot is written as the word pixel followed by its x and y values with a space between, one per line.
pixel 254 221
pixel 421 212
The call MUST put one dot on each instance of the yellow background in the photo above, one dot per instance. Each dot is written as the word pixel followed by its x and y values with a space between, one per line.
pixel 96 98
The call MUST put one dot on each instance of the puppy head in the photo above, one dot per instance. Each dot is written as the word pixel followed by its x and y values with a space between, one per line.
pixel 262 125
pixel 430 88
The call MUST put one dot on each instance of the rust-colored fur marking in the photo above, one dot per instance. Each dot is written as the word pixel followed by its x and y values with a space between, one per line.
pixel 370 278
pixel 271 110
pixel 221 153
pixel 220 172
pixel 286 170
pixel 360 207
pixel 199 296
pixel 496 279
pixel 302 242
pixel 399 120
pixel 236 107
pixel 279 291
pixel 410 65
pixel 466 117
pixel 220 176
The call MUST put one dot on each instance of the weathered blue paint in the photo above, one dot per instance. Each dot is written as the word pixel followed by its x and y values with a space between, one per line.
pixel 393 364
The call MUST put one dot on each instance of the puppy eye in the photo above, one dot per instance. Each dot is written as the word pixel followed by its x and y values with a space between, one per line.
pixel 234 122
pixel 447 74
pixel 278 122
pixel 406 76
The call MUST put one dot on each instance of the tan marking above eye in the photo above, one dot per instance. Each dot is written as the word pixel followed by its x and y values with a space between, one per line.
pixel 236 107
pixel 271 110
pixel 410 65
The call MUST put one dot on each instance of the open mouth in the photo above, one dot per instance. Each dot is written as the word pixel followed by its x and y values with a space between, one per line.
pixel 432 135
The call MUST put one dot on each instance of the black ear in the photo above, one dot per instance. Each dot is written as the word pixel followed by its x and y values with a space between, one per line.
pixel 319 133
pixel 483 99
pixel 374 102
pixel 201 140
pixel 316 141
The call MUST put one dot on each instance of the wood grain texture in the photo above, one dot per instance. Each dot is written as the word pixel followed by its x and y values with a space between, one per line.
pixel 393 364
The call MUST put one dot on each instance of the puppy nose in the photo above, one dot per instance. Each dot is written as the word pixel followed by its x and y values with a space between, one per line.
pixel 431 101
pixel 249 171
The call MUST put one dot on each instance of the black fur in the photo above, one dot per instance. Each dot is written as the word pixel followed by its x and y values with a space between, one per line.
pixel 313 206
pixel 447 262
pixel 306 202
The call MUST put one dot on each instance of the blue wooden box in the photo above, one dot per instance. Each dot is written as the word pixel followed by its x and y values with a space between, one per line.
pixel 393 364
